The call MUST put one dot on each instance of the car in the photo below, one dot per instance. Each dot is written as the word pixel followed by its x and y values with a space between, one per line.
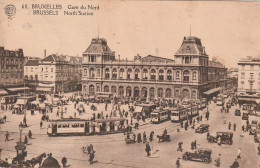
pixel 225 138
pixel 202 128
pixel 203 155
pixel 257 136
pixel 253 127
pixel 245 116
pixel 237 112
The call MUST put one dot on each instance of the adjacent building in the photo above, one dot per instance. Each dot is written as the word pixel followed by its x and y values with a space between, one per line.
pixel 31 73
pixel 59 73
pixel 249 77
pixel 189 75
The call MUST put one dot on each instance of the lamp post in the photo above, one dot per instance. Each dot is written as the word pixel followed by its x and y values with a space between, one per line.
pixel 21 129
pixel 20 148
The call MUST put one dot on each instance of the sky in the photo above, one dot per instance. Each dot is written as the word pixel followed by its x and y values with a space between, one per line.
pixel 228 30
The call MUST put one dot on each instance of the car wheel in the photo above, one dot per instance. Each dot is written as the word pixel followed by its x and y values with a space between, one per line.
pixel 205 160
pixel 184 157
pixel 228 142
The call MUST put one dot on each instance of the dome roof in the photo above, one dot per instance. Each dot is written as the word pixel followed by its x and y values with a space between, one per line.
pixel 50 162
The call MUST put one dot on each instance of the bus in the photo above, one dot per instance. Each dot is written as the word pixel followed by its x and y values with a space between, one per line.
pixel 178 114
pixel 160 115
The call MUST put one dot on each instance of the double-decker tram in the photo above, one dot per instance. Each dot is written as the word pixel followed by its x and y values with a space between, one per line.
pixel 160 115
pixel 178 114
pixel 77 126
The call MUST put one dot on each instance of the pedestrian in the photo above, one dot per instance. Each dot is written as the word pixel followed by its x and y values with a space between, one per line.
pixel 30 134
pixel 41 124
pixel 7 136
pixel 64 162
pixel 243 128
pixel 181 124
pixel 239 153
pixel 219 140
pixel 235 164
pixel 178 163
pixel 25 140
pixel 195 144
pixel 192 145
pixel 148 149
pixel 229 125
pixel 234 126
pixel 218 161
pixel 208 134
pixel 186 125
pixel 180 146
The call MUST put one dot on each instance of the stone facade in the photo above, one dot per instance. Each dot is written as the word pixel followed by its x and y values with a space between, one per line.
pixel 186 76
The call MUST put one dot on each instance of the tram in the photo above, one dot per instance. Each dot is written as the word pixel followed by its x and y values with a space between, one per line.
pixel 178 114
pixel 203 103
pixel 159 115
pixel 193 110
pixel 77 126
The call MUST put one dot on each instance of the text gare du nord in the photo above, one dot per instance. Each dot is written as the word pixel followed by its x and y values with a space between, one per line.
pixel 82 7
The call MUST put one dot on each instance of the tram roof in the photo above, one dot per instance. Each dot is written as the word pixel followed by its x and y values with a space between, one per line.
pixel 69 119
pixel 110 120
pixel 146 105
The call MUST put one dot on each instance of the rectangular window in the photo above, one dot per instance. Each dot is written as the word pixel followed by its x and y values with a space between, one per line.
pixel 177 74
pixel 51 69
pixel 242 75
pixel 252 67
pixel 242 84
pixel 243 67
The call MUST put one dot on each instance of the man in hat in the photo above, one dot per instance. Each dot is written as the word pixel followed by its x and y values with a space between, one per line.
pixel 178 163
pixel 148 149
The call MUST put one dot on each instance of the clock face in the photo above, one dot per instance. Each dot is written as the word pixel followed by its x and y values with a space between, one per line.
pixel 94 47
pixel 188 47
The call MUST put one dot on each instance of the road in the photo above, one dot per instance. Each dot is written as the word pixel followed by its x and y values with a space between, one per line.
pixel 112 151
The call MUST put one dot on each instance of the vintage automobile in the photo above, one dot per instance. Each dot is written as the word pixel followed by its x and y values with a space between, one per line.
pixel 245 116
pixel 164 138
pixel 237 112
pixel 253 127
pixel 202 128
pixel 225 137
pixel 203 155
pixel 257 136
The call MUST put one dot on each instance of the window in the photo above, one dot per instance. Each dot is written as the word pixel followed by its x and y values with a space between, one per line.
pixel 51 69
pixel 129 72
pixel 168 93
pixel 121 73
pixel 161 74
pixel 251 67
pixel 160 93
pixel 31 69
pixel 98 72
pixel 186 74
pixel 251 75
pixel 114 73
pixel 242 75
pixel 92 72
pixel 145 74
pixel 177 74
pixel 107 73
pixel 258 76
pixel 42 69
pixel 169 75
pixel 151 92
pixel 46 69
pixel 242 84
pixel 187 60
pixel 194 75
pixel 137 74
pixel 243 67
pixel 153 75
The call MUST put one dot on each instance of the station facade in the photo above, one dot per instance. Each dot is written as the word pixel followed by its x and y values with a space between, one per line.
pixel 189 75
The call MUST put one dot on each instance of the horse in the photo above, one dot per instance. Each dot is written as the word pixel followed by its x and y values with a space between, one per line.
pixel 87 150
pixel 37 160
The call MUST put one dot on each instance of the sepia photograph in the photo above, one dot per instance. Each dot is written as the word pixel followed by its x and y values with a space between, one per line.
pixel 129 84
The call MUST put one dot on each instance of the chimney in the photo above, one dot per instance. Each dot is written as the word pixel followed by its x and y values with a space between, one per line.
pixel 44 53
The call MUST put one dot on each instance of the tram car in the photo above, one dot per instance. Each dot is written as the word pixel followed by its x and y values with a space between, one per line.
pixel 178 114
pixel 77 126
pixel 160 115
pixel 193 110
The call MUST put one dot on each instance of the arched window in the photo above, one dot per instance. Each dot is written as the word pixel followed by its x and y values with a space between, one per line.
pixel 145 74
pixel 144 92
pixel 160 93
pixel 92 72
pixel 153 74
pixel 193 94
pixel 151 92
pixel 26 77
pixel 129 72
pixel 161 74
pixel 194 75
pixel 169 75
pixel 106 88
pixel 129 91
pixel 136 92
pixel 91 90
pixel 114 73
pixel 177 93
pixel 186 76
pixel 31 77
pixel 107 73
pixel 121 91
pixel 168 93
pixel 36 77
pixel 177 74
pixel 121 73
pixel 113 89
pixel 137 74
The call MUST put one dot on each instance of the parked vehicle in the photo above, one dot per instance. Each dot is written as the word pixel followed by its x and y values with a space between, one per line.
pixel 225 137
pixel 253 127
pixel 220 101
pixel 203 155
pixel 202 128
pixel 237 112
pixel 245 116
pixel 257 136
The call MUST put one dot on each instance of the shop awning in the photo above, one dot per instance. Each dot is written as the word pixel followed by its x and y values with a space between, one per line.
pixel 212 91
pixel 18 89
pixel 3 92
pixel 43 89
pixel 21 101
pixel 138 109
pixel 247 99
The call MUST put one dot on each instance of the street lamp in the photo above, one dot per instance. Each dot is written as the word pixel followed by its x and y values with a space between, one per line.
pixel 20 148
pixel 21 129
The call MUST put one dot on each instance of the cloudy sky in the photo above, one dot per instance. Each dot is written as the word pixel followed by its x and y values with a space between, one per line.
pixel 228 30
